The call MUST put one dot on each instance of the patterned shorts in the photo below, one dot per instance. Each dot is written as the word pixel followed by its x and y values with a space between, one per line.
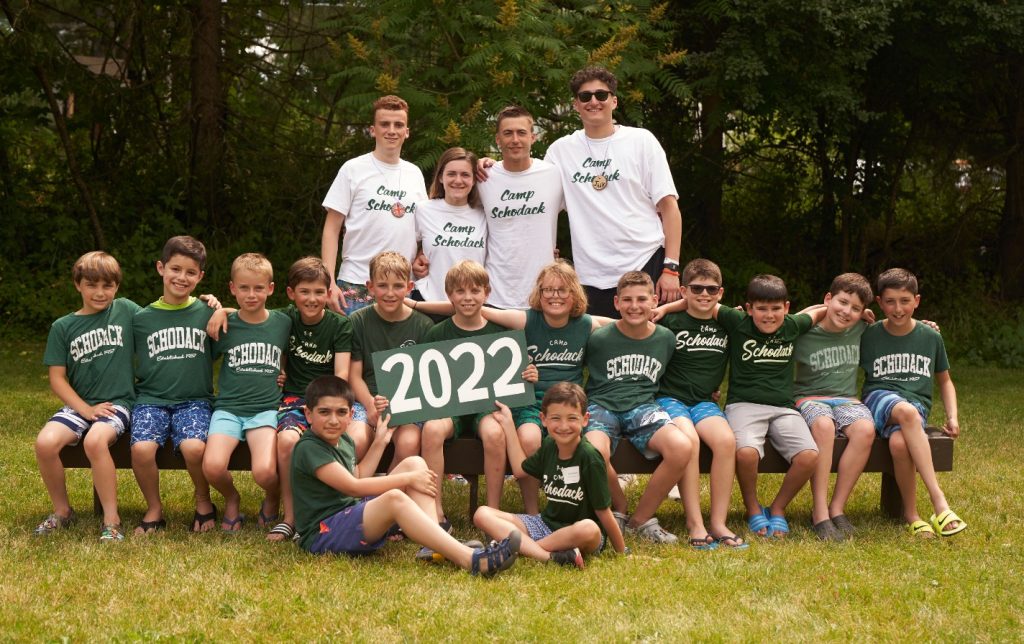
pixel 881 404
pixel 536 529
pixel 79 424
pixel 179 422
pixel 291 414
pixel 842 411
pixel 695 413
pixel 638 425
pixel 356 296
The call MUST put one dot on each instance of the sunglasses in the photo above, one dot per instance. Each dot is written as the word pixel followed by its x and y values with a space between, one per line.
pixel 601 95
pixel 710 289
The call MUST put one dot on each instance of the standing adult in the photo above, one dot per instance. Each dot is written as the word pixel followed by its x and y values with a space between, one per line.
pixel 373 199
pixel 621 200
pixel 521 198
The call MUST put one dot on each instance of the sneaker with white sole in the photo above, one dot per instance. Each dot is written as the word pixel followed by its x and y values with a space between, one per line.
pixel 568 558
pixel 622 520
pixel 652 531
pixel 53 523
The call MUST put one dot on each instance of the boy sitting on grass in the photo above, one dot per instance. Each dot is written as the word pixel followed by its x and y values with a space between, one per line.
pixel 89 355
pixel 571 472
pixel 329 488
pixel 901 358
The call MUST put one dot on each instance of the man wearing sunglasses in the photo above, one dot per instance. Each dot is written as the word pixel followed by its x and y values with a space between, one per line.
pixel 620 197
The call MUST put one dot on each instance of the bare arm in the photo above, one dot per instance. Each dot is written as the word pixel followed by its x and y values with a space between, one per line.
pixel 62 388
pixel 333 224
pixel 381 437
pixel 948 392
pixel 433 307
pixel 361 391
pixel 611 528
pixel 667 288
pixel 508 318
pixel 342 361
pixel 336 476
pixel 671 307
pixel 218 323
pixel 598 321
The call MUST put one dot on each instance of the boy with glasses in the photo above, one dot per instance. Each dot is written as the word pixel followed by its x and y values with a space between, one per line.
pixel 620 197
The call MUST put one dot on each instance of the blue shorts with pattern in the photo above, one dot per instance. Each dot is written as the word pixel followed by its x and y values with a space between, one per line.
pixel 536 529
pixel 881 404
pixel 694 413
pixel 80 424
pixel 342 533
pixel 291 414
pixel 189 420
pixel 637 425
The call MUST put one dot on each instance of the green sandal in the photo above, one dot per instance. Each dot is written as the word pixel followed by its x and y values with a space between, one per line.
pixel 940 522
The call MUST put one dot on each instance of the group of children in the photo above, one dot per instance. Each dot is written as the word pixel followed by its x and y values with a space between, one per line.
pixel 298 386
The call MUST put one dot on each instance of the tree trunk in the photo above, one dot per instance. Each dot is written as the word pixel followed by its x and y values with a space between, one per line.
pixel 208 114
pixel 712 160
pixel 1011 228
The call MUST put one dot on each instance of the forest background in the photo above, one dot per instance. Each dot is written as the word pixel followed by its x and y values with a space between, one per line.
pixel 806 137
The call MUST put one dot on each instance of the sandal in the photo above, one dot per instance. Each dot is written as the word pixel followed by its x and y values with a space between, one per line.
pixel 778 526
pixel 758 522
pixel 112 532
pixel 198 520
pixel 732 542
pixel 707 543
pixel 652 531
pixel 55 522
pixel 499 556
pixel 921 529
pixel 149 527
pixel 264 520
pixel 281 532
pixel 231 523
pixel 943 519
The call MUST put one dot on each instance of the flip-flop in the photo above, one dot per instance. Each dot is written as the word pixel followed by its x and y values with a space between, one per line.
pixel 200 519
pixel 265 520
pixel 940 522
pixel 231 523
pixel 149 527
pixel 707 543
pixel 731 542
pixel 758 522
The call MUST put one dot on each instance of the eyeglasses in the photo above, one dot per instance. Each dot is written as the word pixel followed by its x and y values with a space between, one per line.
pixel 554 292
pixel 601 95
pixel 710 289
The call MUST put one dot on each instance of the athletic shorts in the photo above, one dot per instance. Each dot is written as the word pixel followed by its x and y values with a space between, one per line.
pixel 227 424
pixel 79 424
pixel 356 296
pixel 536 529
pixel 189 420
pixel 694 413
pixel 342 533
pixel 881 404
pixel 292 415
pixel 638 425
pixel 843 412
pixel 784 427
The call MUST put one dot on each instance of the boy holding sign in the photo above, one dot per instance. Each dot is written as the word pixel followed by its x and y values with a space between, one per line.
pixel 467 286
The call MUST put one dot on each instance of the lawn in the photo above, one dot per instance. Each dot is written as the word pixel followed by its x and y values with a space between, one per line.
pixel 881 586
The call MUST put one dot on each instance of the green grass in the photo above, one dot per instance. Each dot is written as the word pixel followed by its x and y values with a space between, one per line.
pixel 883 585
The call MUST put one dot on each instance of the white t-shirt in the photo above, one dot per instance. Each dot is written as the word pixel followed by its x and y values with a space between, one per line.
pixel 364 191
pixel 522 219
pixel 616 229
pixel 449 234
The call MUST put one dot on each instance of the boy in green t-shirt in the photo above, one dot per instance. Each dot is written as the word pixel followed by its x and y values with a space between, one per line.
pixel 388 323
pixel 901 357
pixel 319 344
pixel 89 356
pixel 174 369
pixel 248 396
pixel 691 379
pixel 825 393
pixel 332 512
pixel 572 473
pixel 467 286
pixel 760 398
pixel 625 361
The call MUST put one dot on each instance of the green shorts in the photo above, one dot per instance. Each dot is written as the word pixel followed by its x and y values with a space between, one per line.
pixel 468 426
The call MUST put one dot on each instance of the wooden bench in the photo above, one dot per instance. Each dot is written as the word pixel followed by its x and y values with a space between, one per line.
pixel 465 456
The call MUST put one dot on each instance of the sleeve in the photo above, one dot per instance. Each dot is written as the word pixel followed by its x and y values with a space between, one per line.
pixel 729 317
pixel 804 323
pixel 659 174
pixel 357 337
pixel 131 306
pixel 595 481
pixel 343 336
pixel 56 353
pixel 533 464
pixel 426 325
pixel 339 196
pixel 432 334
pixel 310 457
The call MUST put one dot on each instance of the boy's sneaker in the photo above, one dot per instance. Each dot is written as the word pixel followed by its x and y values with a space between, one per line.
pixel 652 531
pixel 568 558
pixel 112 532
pixel 499 555
pixel 55 522
pixel 457 479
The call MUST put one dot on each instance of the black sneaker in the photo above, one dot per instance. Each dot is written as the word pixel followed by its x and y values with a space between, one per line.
pixel 568 558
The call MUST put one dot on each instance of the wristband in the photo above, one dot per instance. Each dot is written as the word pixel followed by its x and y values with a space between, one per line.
pixel 669 271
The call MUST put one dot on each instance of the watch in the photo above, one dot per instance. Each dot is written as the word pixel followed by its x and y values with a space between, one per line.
pixel 672 266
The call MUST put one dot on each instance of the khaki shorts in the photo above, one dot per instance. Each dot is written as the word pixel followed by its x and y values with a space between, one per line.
pixel 784 427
